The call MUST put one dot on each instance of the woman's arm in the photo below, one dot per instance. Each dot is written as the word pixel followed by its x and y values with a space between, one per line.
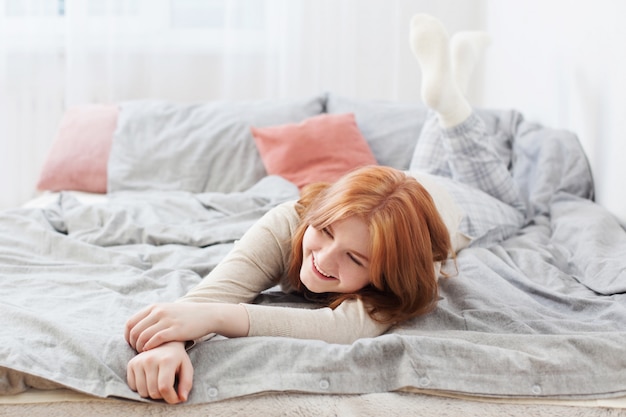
pixel 257 262
pixel 345 324
pixel 191 321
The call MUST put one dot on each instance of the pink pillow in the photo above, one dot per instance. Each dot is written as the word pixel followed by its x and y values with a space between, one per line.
pixel 80 152
pixel 321 148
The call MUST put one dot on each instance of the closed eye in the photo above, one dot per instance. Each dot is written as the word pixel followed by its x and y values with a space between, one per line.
pixel 327 232
pixel 355 259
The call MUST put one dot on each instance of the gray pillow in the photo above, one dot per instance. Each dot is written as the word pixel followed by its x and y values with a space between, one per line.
pixel 204 147
pixel 390 128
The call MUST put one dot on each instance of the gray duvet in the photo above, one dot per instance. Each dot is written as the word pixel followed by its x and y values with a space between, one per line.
pixel 542 313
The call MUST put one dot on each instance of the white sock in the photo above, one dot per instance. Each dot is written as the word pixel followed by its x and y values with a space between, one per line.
pixel 430 44
pixel 466 48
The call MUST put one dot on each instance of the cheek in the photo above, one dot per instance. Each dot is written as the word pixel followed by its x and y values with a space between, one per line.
pixel 356 277
pixel 364 280
pixel 308 240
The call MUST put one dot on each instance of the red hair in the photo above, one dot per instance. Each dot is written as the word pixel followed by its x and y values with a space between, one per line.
pixel 407 236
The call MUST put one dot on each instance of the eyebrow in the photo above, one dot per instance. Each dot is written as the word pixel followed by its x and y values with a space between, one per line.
pixel 355 253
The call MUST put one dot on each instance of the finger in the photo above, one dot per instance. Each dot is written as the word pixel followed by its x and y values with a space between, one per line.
pixel 152 341
pixel 131 325
pixel 140 382
pixel 185 379
pixel 158 329
pixel 153 336
pixel 130 376
pixel 128 327
pixel 165 383
pixel 152 380
pixel 144 331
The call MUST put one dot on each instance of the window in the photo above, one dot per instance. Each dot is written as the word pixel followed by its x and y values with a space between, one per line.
pixel 34 8
pixel 215 14
pixel 188 24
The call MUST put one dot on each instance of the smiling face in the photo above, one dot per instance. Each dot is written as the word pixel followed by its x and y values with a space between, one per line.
pixel 336 258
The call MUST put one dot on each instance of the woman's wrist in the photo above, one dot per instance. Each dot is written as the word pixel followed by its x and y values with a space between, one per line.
pixel 229 320
pixel 174 344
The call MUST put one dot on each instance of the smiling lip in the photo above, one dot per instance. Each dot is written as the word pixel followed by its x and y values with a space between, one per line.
pixel 319 273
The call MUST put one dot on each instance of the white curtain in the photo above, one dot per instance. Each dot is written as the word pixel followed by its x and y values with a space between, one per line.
pixel 60 53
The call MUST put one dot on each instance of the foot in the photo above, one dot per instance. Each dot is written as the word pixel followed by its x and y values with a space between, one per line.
pixel 466 48
pixel 430 44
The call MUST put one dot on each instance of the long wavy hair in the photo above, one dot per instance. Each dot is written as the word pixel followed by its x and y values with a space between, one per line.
pixel 407 235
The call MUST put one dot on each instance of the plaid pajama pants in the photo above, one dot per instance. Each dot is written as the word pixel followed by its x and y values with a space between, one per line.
pixel 468 167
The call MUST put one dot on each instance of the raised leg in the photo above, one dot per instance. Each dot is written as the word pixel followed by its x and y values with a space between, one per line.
pixel 454 142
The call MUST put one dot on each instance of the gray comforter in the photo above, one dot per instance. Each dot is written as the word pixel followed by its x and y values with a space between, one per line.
pixel 540 314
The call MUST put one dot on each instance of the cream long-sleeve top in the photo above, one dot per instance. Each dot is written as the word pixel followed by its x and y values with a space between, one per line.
pixel 260 261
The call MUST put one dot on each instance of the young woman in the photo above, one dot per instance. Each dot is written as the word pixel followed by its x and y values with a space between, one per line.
pixel 368 248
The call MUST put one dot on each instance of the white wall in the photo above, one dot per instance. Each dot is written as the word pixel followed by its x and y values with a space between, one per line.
pixel 563 63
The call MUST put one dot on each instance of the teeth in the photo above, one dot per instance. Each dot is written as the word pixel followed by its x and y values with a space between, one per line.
pixel 320 270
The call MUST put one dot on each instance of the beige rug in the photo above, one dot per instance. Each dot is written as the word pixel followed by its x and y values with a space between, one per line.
pixel 67 404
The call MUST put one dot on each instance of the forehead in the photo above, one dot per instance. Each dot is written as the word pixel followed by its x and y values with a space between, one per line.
pixel 354 231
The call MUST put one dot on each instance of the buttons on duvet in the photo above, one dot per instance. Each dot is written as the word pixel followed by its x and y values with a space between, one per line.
pixel 324 384
pixel 424 381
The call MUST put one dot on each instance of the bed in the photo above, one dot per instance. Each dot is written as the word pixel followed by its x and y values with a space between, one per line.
pixel 143 198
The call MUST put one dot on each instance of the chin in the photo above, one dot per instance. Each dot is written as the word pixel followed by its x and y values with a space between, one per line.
pixel 311 288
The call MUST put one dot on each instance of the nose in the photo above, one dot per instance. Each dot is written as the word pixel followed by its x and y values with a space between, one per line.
pixel 327 260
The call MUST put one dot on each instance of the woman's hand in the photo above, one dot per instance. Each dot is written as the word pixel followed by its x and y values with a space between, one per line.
pixel 162 323
pixel 164 373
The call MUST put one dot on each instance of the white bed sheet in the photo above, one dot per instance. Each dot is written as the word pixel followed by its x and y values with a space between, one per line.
pixel 48 197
